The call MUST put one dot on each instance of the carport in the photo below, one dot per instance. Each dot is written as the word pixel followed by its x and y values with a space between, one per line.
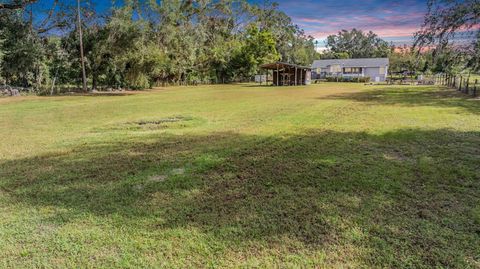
pixel 285 74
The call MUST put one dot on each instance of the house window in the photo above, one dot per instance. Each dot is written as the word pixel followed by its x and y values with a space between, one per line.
pixel 352 70
pixel 335 69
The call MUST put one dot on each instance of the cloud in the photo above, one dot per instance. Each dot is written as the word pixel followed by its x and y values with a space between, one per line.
pixel 387 18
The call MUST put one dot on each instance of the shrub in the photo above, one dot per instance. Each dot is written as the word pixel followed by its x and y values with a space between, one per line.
pixel 348 79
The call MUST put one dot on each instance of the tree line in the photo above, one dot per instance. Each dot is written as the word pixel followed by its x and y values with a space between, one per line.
pixel 141 44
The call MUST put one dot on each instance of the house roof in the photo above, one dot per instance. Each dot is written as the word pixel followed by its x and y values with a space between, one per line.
pixel 282 65
pixel 363 62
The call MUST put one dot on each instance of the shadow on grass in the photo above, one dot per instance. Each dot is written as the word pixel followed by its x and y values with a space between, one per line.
pixel 426 96
pixel 260 86
pixel 407 197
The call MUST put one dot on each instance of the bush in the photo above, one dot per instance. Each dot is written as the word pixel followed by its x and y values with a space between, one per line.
pixel 348 79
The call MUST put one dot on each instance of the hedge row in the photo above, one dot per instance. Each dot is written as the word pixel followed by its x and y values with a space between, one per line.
pixel 348 79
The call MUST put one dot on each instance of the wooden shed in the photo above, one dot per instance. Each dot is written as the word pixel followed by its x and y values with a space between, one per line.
pixel 285 74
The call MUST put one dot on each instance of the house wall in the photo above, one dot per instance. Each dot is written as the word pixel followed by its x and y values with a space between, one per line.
pixel 308 77
pixel 375 74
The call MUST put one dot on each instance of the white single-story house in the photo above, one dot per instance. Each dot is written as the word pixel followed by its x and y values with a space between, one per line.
pixel 375 68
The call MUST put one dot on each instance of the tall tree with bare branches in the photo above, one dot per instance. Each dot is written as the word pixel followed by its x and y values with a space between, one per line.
pixel 80 36
pixel 452 25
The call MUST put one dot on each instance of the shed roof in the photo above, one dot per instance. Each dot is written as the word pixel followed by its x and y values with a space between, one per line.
pixel 361 62
pixel 282 65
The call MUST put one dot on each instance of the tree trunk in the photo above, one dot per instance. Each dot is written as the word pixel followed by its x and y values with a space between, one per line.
pixel 80 36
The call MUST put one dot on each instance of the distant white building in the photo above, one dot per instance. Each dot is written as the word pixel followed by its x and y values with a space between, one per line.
pixel 375 68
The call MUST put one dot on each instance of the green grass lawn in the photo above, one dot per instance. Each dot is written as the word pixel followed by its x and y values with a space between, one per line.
pixel 328 175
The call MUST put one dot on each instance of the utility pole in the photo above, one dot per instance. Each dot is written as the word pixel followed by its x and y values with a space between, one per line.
pixel 82 59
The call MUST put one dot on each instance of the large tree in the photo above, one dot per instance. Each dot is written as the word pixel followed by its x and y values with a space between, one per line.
pixel 452 28
pixel 293 45
pixel 258 49
pixel 358 44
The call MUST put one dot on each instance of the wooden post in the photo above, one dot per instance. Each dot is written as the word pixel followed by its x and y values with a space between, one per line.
pixel 278 81
pixel 301 76
pixel 296 76
pixel 283 76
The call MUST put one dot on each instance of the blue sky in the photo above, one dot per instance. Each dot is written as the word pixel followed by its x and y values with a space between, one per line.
pixel 393 20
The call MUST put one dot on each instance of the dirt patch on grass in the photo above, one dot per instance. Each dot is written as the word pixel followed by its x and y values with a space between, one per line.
pixel 162 121
pixel 174 122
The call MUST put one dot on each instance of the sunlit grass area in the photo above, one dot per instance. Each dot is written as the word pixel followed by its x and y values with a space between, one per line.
pixel 328 175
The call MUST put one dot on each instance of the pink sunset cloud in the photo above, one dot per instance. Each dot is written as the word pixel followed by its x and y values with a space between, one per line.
pixel 387 18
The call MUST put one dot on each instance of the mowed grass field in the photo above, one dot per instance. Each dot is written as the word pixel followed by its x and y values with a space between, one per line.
pixel 328 175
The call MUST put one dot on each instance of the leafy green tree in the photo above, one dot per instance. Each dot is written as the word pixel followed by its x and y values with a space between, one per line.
pixel 259 48
pixel 407 60
pixel 358 44
pixel 293 45
pixel 23 52
pixel 334 55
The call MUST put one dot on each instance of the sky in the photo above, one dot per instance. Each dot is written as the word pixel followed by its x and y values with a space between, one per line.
pixel 393 20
